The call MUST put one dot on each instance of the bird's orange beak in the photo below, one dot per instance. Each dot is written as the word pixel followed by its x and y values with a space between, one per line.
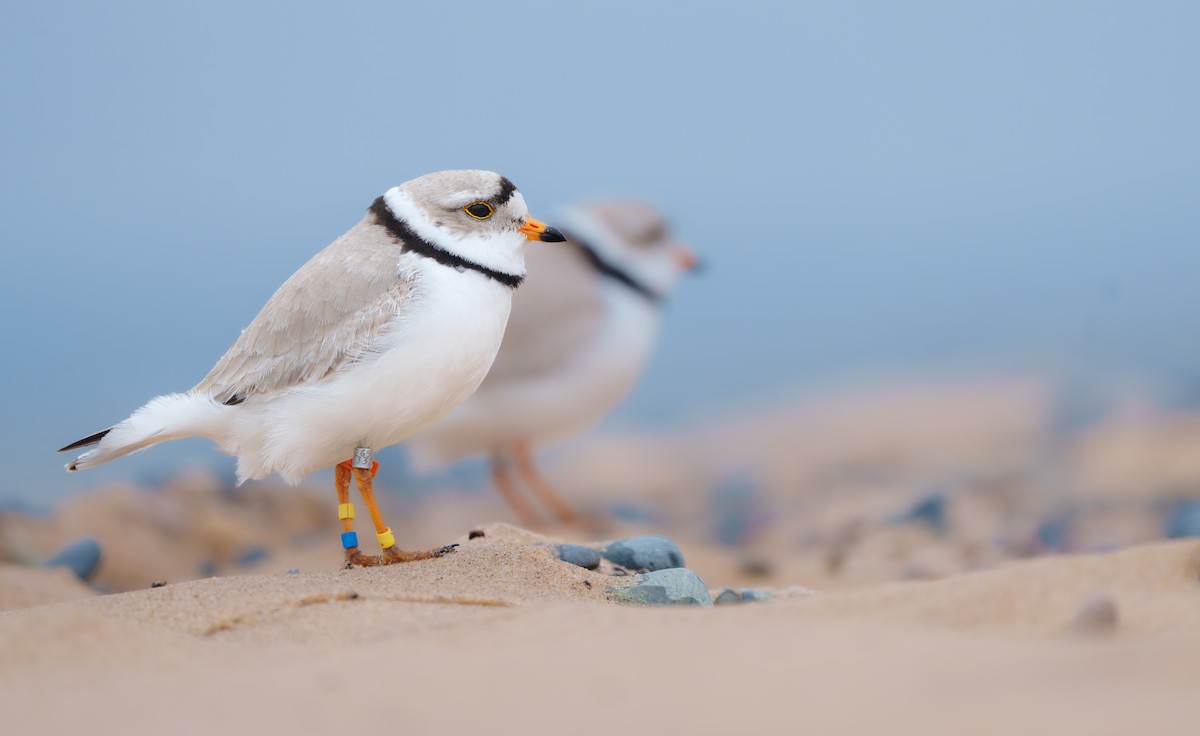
pixel 537 230
pixel 684 257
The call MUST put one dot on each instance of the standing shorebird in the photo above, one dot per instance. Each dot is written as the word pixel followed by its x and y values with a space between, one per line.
pixel 381 333
pixel 579 336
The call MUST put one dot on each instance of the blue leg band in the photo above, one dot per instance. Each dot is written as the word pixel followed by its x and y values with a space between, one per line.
pixel 349 539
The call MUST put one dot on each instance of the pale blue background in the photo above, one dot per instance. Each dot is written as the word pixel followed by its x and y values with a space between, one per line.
pixel 880 188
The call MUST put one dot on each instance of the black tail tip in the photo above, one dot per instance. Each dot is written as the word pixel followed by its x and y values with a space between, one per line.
pixel 84 443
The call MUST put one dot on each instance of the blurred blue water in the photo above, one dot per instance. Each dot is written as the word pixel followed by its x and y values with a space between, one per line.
pixel 878 187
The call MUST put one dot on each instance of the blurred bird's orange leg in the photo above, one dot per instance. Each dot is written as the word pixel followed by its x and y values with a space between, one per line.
pixel 525 511
pixel 541 487
pixel 364 470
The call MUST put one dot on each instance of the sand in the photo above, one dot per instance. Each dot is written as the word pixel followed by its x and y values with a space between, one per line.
pixel 501 637
pixel 881 623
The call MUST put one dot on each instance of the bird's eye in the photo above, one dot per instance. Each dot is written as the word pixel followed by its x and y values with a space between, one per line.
pixel 479 210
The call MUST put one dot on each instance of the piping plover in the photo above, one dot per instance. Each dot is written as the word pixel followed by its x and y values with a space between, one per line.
pixel 385 330
pixel 580 333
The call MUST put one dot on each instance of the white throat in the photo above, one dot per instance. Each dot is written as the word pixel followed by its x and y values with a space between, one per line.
pixel 503 252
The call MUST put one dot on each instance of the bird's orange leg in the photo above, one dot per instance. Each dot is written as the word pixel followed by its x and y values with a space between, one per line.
pixel 541 487
pixel 364 469
pixel 341 479
pixel 525 511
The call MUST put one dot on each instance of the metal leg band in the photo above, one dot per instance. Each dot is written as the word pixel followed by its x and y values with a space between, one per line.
pixel 362 458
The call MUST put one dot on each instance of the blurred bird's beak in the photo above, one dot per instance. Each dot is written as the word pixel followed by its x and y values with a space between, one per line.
pixel 535 230
pixel 684 257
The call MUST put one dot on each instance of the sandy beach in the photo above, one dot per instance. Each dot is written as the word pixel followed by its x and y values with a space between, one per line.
pixel 929 567
pixel 503 637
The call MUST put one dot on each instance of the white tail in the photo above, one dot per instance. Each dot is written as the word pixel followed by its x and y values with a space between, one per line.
pixel 169 417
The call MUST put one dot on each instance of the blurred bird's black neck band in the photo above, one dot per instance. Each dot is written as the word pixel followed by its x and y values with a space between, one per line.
pixel 410 241
pixel 607 269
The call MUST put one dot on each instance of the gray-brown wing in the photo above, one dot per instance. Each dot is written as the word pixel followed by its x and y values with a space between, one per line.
pixel 556 313
pixel 328 314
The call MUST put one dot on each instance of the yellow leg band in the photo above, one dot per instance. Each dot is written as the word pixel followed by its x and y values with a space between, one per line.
pixel 345 511
pixel 386 538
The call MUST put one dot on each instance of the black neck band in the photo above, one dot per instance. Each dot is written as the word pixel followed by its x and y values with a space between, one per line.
pixel 410 241
pixel 611 271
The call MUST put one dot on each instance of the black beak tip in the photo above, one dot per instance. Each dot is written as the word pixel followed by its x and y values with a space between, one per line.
pixel 552 235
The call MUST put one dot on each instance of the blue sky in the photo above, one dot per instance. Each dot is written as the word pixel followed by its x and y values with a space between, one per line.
pixel 879 187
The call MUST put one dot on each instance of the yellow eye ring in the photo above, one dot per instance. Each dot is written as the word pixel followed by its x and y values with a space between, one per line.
pixel 479 210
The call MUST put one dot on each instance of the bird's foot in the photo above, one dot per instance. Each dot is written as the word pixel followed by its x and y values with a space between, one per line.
pixel 392 555
pixel 395 555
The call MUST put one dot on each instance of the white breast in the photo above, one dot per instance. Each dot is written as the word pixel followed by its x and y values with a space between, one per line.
pixel 436 355
pixel 556 404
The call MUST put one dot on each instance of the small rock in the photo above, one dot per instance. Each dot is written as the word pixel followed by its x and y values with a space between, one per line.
pixel 577 554
pixel 750 594
pixel 81 557
pixel 294 571
pixel 930 510
pixel 475 534
pixel 740 509
pixel 747 595
pixel 1097 615
pixel 726 596
pixel 677 586
pixel 645 553
pixel 252 555
pixel 1054 534
pixel 1184 520
pixel 158 583
pixel 756 566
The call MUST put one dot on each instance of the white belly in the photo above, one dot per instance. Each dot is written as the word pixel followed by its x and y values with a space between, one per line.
pixel 438 354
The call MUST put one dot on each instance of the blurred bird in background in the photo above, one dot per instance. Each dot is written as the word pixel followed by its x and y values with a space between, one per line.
pixel 582 328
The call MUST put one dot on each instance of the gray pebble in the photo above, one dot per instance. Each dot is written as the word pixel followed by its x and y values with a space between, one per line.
pixel 645 553
pixel 750 594
pixel 252 555
pixel 1184 520
pixel 747 595
pixel 674 587
pixel 577 554
pixel 929 510
pixel 1097 615
pixel 81 557
pixel 294 571
pixel 726 596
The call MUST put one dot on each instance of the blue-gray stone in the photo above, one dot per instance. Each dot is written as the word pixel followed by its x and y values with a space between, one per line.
pixel 81 557
pixel 677 586
pixel 750 594
pixel 1054 534
pixel 645 553
pixel 739 509
pixel 726 596
pixel 294 571
pixel 930 510
pixel 1184 520
pixel 577 554
pixel 730 595
pixel 252 555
